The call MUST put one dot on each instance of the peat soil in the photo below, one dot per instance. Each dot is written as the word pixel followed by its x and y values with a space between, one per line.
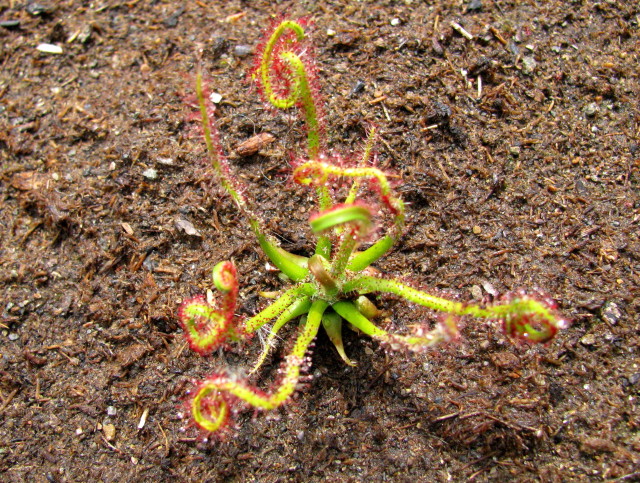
pixel 513 129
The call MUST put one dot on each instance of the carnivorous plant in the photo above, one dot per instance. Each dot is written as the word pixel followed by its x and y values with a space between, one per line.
pixel 331 285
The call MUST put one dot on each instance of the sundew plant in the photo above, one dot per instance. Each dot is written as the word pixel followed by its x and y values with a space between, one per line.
pixel 330 287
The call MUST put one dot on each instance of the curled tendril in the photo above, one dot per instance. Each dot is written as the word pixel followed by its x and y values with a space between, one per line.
pixel 532 318
pixel 267 68
pixel 281 64
pixel 207 327
pixel 209 409
pixel 224 277
pixel 357 220
pixel 210 405
pixel 311 173
pixel 317 173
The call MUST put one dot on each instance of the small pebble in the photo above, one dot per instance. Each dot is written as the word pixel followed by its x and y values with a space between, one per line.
pixel 186 226
pixel 474 6
pixel 331 33
pixel 219 45
pixel 172 20
pixel 9 24
pixel 13 336
pixel 242 50
pixel 111 411
pixel 611 313
pixel 477 230
pixel 109 431
pixel 513 48
pixel 379 43
pixel 529 65
pixel 395 22
pixel 85 34
pixel 215 97
pixel 591 110
pixel 490 288
pixel 357 88
pixel 49 48
pixel 588 339
pixel 150 173
pixel 36 9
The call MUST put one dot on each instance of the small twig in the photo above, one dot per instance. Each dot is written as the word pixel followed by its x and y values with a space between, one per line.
pixel 6 402
pixel 377 100
pixel 497 35
pixel 39 397
pixel 630 476
pixel 166 440
pixel 446 416
pixel 460 29
pixel 112 447
pixel 31 229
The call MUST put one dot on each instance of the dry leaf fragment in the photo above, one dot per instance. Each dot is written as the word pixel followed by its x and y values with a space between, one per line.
pixel 187 227
pixel 254 144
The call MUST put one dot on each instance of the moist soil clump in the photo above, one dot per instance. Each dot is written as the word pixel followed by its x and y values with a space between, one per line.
pixel 513 130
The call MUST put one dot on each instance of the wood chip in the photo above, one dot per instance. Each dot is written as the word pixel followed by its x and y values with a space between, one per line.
pixel 254 144
pixel 127 228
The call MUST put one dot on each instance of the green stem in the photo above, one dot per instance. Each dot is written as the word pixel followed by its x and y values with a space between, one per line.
pixel 367 284
pixel 280 305
pixel 218 163
pixel 350 313
pixel 522 316
pixel 317 173
pixel 299 307
pixel 323 246
pixel 348 244
pixel 293 266
pixel 357 219
pixel 320 268
pixel 362 260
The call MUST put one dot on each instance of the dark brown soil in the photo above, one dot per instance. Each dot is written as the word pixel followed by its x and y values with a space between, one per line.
pixel 530 182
